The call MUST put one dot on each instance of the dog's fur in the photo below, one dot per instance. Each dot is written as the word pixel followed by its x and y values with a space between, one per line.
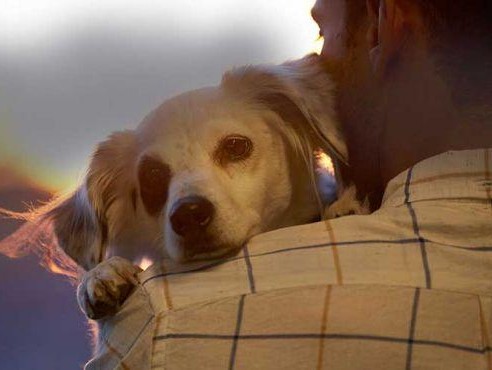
pixel 284 111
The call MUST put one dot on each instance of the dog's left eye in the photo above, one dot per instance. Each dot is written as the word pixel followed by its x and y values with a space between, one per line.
pixel 234 148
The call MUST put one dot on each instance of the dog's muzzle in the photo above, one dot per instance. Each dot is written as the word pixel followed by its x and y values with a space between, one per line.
pixel 191 216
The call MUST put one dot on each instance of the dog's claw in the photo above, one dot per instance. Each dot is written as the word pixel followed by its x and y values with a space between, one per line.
pixel 347 205
pixel 104 288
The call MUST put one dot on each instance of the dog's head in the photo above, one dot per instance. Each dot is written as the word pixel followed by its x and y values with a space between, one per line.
pixel 206 170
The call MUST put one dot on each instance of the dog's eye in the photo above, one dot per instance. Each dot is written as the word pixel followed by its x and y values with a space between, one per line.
pixel 153 177
pixel 234 148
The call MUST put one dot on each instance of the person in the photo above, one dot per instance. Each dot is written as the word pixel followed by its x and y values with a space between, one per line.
pixel 414 80
pixel 406 287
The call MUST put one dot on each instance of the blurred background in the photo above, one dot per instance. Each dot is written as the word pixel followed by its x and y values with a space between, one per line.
pixel 71 72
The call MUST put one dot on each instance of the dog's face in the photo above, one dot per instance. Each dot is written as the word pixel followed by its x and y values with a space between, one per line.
pixel 212 172
pixel 206 170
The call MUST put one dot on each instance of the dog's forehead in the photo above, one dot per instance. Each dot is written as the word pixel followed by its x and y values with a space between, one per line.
pixel 206 112
pixel 189 125
pixel 184 112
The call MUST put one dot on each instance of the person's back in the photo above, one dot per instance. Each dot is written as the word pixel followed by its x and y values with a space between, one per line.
pixel 408 286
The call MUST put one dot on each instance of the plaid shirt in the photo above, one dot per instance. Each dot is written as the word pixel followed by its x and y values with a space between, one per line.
pixel 407 287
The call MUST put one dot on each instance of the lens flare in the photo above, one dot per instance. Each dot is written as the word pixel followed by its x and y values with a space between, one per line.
pixel 145 263
pixel 324 162
pixel 318 45
pixel 18 165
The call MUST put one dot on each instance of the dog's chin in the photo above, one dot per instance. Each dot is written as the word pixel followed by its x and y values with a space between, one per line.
pixel 217 252
pixel 188 251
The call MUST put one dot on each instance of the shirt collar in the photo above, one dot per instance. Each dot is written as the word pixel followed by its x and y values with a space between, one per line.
pixel 465 174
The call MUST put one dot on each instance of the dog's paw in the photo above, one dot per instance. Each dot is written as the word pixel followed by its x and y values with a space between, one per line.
pixel 104 288
pixel 346 205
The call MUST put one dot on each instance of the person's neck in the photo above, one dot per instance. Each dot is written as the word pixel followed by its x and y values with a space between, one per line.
pixel 422 120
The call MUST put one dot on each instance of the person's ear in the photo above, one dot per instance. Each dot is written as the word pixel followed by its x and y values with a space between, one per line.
pixel 394 25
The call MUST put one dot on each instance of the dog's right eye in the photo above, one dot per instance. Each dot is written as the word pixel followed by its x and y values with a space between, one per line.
pixel 153 177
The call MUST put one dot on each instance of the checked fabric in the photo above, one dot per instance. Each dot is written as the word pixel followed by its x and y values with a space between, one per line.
pixel 407 287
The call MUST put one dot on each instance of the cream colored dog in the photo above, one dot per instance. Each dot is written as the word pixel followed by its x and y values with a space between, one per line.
pixel 200 176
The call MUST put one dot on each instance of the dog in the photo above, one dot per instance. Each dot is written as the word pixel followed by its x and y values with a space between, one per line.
pixel 201 175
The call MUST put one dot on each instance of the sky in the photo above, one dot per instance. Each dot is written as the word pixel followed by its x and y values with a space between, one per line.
pixel 73 71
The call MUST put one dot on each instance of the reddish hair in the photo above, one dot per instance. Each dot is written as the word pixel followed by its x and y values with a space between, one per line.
pixel 36 236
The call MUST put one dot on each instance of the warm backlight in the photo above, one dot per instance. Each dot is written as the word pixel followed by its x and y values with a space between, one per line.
pixel 324 162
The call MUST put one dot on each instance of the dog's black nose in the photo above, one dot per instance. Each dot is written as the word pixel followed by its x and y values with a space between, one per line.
pixel 190 216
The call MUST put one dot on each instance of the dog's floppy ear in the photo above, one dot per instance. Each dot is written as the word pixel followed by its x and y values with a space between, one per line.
pixel 79 223
pixel 301 93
